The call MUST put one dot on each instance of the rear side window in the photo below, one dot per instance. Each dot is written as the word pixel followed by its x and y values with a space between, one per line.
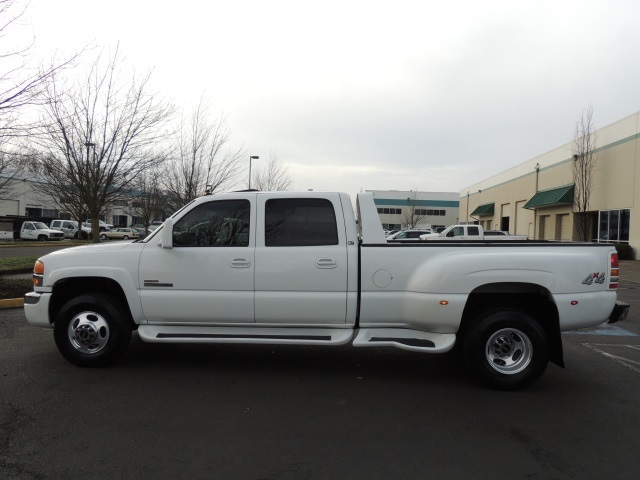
pixel 475 231
pixel 223 223
pixel 300 222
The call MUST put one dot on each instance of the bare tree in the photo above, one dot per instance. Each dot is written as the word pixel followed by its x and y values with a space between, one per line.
pixel 201 158
pixel 147 203
pixel 21 86
pixel 412 216
pixel 98 135
pixel 274 176
pixel 583 169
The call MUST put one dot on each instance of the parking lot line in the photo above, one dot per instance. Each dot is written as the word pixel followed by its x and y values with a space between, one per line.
pixel 603 329
pixel 627 362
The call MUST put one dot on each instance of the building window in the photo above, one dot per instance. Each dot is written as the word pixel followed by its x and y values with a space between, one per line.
pixel 120 203
pixel 390 211
pixel 613 226
pixel 119 221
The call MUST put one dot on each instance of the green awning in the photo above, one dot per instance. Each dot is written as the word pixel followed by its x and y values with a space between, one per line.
pixel 486 209
pixel 551 198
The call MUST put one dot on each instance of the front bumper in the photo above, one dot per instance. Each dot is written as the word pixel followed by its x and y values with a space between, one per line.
pixel 36 309
pixel 619 313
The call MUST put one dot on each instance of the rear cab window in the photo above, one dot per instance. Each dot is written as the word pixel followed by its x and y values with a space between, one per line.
pixel 291 222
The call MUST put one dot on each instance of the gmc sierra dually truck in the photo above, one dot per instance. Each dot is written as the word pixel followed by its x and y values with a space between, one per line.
pixel 297 268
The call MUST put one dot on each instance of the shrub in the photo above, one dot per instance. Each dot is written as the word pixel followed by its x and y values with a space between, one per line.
pixel 625 251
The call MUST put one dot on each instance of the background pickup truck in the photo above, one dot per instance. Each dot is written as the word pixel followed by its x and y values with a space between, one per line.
pixel 470 232
pixel 293 268
pixel 39 231
pixel 69 228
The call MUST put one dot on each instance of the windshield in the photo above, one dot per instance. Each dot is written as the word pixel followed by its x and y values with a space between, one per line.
pixel 40 225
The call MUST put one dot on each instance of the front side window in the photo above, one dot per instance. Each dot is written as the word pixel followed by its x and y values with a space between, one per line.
pixel 223 223
pixel 300 222
pixel 456 232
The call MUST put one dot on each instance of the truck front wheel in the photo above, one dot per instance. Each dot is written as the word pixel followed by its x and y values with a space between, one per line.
pixel 506 349
pixel 91 330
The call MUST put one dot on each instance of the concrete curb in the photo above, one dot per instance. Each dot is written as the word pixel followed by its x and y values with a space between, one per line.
pixel 12 303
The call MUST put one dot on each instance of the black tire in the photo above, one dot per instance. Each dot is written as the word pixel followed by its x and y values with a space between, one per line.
pixel 92 330
pixel 506 349
pixel 125 237
pixel 75 235
pixel 42 238
pixel 103 237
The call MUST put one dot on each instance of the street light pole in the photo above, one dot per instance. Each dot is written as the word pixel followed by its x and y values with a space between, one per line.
pixel 87 144
pixel 252 157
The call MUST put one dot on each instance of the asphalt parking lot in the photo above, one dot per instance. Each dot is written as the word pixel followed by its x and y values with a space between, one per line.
pixel 265 412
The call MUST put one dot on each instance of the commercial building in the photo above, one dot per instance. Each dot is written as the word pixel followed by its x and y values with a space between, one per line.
pixel 536 198
pixel 406 209
pixel 23 196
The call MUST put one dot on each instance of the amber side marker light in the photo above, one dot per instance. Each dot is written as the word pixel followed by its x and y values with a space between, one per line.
pixel 38 272
pixel 444 302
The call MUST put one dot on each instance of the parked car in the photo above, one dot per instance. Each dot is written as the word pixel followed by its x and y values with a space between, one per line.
pixel 410 235
pixel 39 231
pixel 70 228
pixel 103 225
pixel 141 231
pixel 155 224
pixel 120 234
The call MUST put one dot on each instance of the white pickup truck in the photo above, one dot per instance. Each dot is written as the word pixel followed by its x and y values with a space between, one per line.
pixel 470 232
pixel 39 231
pixel 292 268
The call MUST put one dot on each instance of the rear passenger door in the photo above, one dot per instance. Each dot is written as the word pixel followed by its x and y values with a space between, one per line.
pixel 301 261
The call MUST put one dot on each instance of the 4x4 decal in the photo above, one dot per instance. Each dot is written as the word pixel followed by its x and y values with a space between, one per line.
pixel 594 278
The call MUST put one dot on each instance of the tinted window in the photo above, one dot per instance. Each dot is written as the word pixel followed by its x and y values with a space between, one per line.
pixel 214 224
pixel 474 231
pixel 300 222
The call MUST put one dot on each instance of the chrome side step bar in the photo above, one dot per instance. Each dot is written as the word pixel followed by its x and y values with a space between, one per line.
pixel 405 339
pixel 258 335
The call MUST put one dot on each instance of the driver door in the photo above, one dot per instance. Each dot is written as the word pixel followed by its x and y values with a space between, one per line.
pixel 208 275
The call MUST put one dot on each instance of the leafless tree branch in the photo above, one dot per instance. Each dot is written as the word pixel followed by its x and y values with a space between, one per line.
pixel 583 169
pixel 274 176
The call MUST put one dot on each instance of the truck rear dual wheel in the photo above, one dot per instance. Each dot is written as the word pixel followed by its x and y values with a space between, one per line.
pixel 92 330
pixel 506 349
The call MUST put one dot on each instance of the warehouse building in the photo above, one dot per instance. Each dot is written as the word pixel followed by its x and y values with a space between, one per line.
pixel 406 209
pixel 536 198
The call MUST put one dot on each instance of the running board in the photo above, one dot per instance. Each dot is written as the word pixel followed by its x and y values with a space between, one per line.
pixel 405 339
pixel 259 335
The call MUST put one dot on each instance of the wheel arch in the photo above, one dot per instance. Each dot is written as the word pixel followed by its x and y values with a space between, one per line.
pixel 66 289
pixel 531 298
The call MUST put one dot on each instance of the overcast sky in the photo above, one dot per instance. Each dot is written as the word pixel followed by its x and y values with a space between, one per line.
pixel 354 95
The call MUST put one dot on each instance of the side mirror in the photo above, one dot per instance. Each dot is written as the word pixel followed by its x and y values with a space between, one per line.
pixel 167 233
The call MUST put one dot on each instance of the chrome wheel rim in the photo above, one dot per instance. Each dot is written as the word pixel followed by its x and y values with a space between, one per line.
pixel 509 351
pixel 88 332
